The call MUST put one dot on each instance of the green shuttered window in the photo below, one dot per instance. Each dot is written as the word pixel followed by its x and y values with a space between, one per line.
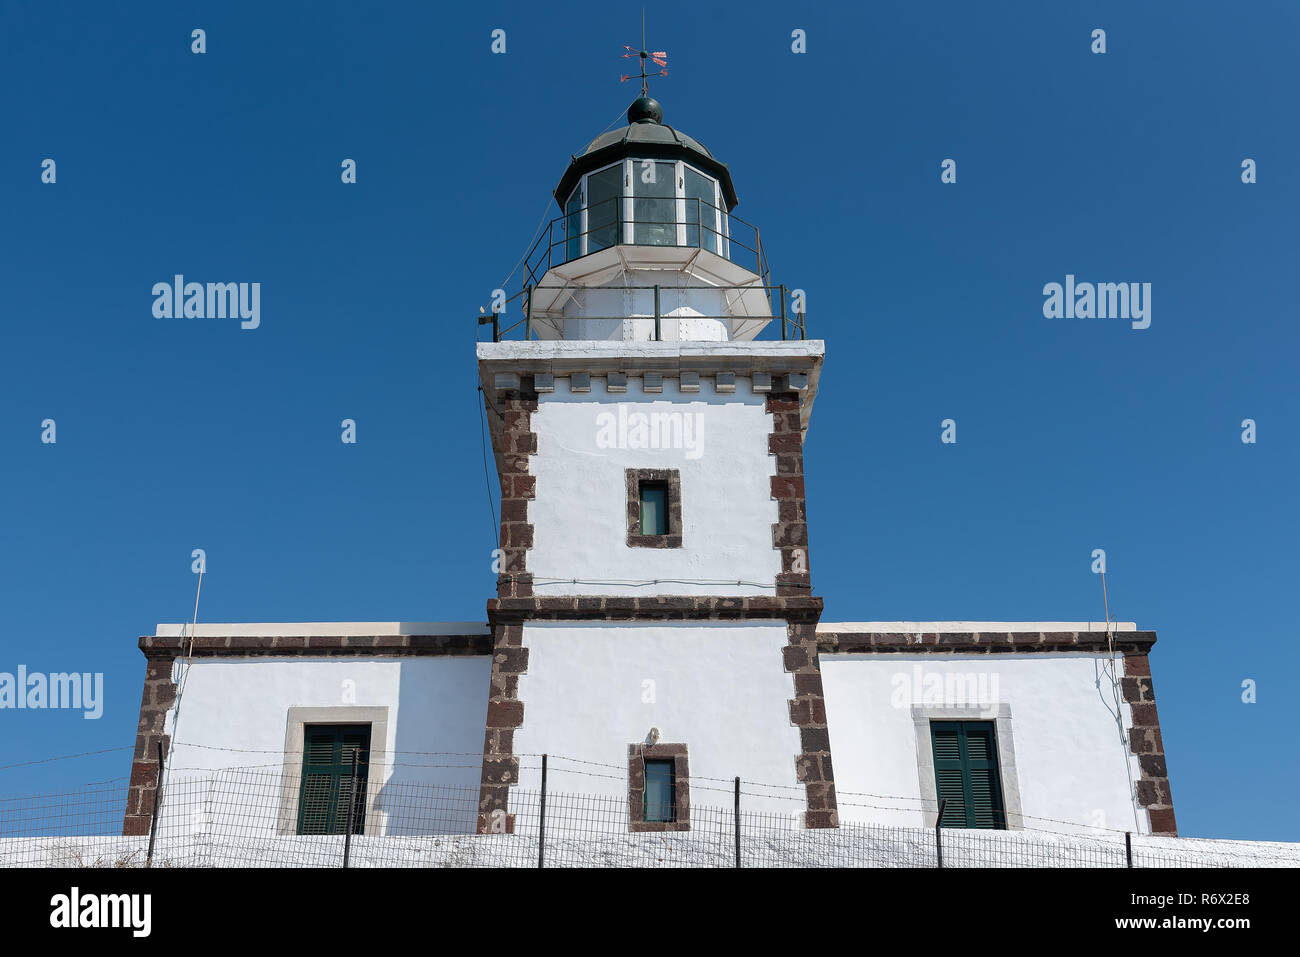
pixel 966 773
pixel 327 778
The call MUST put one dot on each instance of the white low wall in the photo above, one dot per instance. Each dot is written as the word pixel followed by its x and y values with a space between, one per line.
pixel 720 688
pixel 579 516
pixel 848 846
pixel 234 715
pixel 1069 760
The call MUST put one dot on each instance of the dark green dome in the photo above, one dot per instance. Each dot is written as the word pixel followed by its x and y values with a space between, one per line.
pixel 645 137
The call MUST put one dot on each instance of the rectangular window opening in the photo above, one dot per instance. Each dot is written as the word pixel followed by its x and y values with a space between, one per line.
pixel 660 791
pixel 654 508
pixel 326 797
pixel 966 774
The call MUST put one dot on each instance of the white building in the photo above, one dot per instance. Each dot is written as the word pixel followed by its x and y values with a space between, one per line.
pixel 654 609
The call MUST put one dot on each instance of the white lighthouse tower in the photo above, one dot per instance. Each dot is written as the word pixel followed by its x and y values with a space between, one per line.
pixel 654 601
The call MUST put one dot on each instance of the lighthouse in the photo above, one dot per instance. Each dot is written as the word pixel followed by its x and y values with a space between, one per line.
pixel 649 390
pixel 654 632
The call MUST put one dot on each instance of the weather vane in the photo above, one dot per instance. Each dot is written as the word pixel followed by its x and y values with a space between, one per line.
pixel 659 57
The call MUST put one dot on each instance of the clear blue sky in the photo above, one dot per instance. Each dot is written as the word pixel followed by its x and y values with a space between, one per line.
pixel 1072 435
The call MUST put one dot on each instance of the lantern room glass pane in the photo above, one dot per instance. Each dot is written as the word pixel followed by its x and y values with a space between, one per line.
pixel 701 211
pixel 573 226
pixel 604 197
pixel 654 203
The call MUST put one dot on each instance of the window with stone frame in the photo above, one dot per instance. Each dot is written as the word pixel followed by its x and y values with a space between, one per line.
pixel 654 508
pixel 659 788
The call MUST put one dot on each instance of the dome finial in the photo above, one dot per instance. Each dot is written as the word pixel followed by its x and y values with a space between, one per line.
pixel 645 109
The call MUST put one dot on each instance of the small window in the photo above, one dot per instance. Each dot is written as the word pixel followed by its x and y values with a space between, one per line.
pixel 659 788
pixel 966 774
pixel 326 795
pixel 654 508
pixel 660 792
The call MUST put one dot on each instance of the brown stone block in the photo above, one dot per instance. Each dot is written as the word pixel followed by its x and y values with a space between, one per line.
pixel 808 683
pixel 807 768
pixel 1144 715
pixel 812 740
pixel 1153 765
pixel 820 819
pixel 1162 822
pixel 782 402
pixel 1137 665
pixel 796 657
pixel 508 660
pixel 784 443
pixel 514 510
pixel 505 714
pixel 500 769
pixel 787 486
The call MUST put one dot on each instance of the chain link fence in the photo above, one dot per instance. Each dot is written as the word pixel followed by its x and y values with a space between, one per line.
pixel 260 817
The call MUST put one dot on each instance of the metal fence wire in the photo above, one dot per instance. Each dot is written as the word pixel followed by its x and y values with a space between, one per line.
pixel 424 812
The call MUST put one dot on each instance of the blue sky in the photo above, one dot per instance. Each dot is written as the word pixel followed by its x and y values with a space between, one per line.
pixel 1072 434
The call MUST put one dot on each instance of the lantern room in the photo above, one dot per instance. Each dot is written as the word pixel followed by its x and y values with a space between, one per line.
pixel 647 247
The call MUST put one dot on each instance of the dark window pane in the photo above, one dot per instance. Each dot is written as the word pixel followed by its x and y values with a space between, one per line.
pixel 654 509
pixel 654 204
pixel 604 212
pixel 660 791
pixel 573 226
pixel 701 211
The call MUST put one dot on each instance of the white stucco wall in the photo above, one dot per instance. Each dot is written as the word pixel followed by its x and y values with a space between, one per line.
pixel 1069 758
pixel 720 688
pixel 234 720
pixel 579 516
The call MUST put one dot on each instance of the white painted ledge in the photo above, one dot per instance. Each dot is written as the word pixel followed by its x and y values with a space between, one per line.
pixel 939 627
pixel 322 629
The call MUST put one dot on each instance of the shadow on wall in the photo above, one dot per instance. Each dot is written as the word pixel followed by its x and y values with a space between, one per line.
pixel 437 759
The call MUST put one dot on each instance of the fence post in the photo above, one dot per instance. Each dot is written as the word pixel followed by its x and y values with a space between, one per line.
pixel 657 314
pixel 541 829
pixel 1128 847
pixel 938 838
pixel 352 803
pixel 737 820
pixel 157 805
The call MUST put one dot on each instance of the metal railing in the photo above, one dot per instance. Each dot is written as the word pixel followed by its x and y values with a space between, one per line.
pixel 423 810
pixel 791 321
pixel 605 224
